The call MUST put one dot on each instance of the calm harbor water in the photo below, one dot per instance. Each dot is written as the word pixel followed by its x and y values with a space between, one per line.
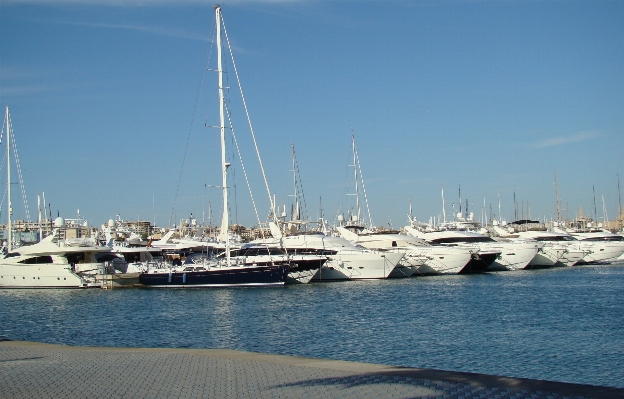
pixel 563 324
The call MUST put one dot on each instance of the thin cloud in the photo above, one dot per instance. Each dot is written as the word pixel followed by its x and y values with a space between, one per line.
pixel 155 30
pixel 17 91
pixel 558 141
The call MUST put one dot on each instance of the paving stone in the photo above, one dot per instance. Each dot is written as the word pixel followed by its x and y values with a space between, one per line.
pixel 50 371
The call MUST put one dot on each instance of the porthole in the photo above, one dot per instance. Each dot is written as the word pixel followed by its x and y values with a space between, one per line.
pixel 23 278
pixel 64 278
pixel 33 278
pixel 58 278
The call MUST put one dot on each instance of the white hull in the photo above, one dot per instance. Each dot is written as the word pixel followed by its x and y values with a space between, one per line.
pixel 603 251
pixel 41 276
pixel 573 255
pixel 401 271
pixel 356 265
pixel 547 256
pixel 442 260
pixel 514 255
pixel 300 277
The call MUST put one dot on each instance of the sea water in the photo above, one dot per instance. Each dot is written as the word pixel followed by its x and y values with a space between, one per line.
pixel 560 324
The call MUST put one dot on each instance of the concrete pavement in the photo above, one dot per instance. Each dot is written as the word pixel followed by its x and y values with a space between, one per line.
pixel 35 370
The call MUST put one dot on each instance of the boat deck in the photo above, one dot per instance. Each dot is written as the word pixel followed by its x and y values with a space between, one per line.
pixel 35 370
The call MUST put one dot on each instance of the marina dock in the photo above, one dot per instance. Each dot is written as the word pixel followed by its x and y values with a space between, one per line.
pixel 36 370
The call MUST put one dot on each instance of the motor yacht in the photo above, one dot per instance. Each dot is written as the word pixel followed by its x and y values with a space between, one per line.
pixel 604 246
pixel 55 262
pixel 421 258
pixel 559 249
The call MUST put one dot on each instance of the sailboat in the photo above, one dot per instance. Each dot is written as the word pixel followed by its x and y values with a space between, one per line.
pixel 231 268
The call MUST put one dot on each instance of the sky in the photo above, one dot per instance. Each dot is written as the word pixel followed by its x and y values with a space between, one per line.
pixel 112 103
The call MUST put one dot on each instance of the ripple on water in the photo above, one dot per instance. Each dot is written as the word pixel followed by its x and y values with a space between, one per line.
pixel 559 324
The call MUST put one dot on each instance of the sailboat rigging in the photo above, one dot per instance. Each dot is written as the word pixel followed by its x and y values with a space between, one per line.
pixel 247 266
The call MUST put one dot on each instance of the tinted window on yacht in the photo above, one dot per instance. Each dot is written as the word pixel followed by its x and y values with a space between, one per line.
pixel 256 251
pixel 37 259
pixel 447 240
pixel 555 238
pixel 11 255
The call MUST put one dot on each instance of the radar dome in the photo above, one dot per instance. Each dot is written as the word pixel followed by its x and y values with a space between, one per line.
pixel 111 223
pixel 59 222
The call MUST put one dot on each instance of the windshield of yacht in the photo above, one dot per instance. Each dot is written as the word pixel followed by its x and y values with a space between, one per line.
pixel 448 240
pixel 555 238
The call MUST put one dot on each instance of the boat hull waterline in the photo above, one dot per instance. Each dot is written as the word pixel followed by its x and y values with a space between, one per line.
pixel 219 277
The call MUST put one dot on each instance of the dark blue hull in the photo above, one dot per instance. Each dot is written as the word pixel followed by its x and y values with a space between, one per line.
pixel 479 263
pixel 219 277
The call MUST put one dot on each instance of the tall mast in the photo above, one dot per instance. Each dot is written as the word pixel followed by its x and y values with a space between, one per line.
pixel 294 170
pixel 605 217
pixel 557 203
pixel 39 217
pixel 355 175
pixel 45 214
pixel 8 142
pixel 595 208
pixel 619 202
pixel 443 207
pixel 223 234
pixel 460 204
pixel 484 212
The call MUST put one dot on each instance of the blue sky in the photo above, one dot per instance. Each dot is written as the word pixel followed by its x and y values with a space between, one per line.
pixel 109 102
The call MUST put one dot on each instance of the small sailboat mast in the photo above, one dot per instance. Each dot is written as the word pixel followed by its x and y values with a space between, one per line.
pixel 223 234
